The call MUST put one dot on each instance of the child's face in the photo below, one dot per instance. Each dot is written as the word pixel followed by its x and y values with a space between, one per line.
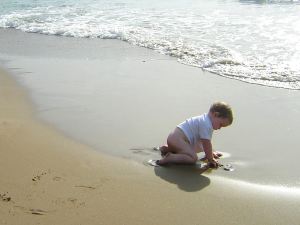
pixel 219 122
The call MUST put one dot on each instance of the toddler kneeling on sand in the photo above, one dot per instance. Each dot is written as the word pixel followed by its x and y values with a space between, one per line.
pixel 194 135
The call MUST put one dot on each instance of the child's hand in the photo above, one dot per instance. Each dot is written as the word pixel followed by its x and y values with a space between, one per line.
pixel 213 163
pixel 217 155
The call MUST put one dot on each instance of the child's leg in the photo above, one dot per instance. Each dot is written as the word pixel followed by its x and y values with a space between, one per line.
pixel 178 150
pixel 164 150
pixel 176 158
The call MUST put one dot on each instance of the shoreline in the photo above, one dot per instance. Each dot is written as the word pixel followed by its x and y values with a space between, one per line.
pixel 123 100
pixel 51 179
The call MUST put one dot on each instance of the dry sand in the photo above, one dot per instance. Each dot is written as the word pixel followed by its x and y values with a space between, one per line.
pixel 47 178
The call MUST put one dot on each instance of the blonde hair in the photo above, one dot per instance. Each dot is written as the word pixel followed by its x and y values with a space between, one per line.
pixel 223 110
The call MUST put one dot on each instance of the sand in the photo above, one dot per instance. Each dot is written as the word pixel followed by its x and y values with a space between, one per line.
pixel 48 178
pixel 122 100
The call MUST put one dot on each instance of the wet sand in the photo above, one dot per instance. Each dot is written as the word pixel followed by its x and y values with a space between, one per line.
pixel 48 178
pixel 124 100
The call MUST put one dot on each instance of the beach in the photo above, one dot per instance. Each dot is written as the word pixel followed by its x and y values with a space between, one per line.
pixel 75 153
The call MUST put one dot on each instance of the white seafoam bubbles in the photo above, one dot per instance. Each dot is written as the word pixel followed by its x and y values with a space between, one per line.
pixel 256 43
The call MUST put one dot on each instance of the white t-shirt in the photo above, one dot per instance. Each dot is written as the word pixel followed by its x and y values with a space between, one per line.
pixel 197 128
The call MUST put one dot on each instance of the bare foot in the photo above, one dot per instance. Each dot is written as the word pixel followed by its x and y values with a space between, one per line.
pixel 164 160
pixel 163 150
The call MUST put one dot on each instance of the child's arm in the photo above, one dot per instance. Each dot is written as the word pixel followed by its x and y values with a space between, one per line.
pixel 207 147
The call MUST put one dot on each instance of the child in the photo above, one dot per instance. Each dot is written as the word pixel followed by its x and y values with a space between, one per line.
pixel 194 135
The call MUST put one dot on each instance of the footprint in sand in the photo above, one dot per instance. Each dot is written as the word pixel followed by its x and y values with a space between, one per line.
pixel 69 202
pixel 57 178
pixel 38 212
pixel 42 174
pixel 5 197
pixel 85 186
pixel 39 176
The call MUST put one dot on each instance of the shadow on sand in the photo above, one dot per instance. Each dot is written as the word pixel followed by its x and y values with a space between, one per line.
pixel 187 178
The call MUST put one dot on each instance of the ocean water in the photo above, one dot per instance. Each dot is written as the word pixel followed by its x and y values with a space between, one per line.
pixel 256 41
